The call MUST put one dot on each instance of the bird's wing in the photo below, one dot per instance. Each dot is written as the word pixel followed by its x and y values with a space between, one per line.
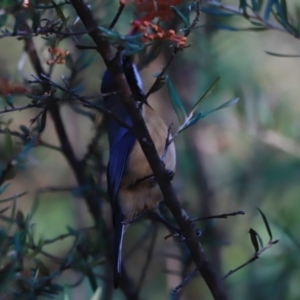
pixel 121 141
pixel 119 154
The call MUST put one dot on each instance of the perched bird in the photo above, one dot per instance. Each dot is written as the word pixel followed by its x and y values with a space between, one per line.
pixel 132 187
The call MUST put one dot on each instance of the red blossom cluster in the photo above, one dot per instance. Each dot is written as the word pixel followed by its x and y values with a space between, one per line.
pixel 58 56
pixel 7 88
pixel 147 11
pixel 158 33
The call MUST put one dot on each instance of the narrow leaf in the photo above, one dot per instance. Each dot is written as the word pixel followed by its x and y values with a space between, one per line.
pixel 266 224
pixel 157 86
pixel 66 295
pixel 216 12
pixel 179 14
pixel 253 237
pixel 3 188
pixel 9 146
pixel 175 100
pixel 206 94
pixel 259 240
pixel 8 100
pixel 36 19
pixel 13 197
pixel 43 121
pixel 282 55
pixel 225 105
pixel 268 9
pixel 254 5
pixel 97 294
pixel 59 11
pixel 283 10
pixel 3 19
pixel 194 120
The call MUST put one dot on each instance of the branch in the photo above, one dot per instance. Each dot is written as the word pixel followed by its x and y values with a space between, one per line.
pixel 184 282
pixel 222 216
pixel 252 259
pixel 147 145
pixel 77 166
pixel 117 16
pixel 255 16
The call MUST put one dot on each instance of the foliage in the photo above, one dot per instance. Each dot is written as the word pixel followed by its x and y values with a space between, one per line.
pixel 60 94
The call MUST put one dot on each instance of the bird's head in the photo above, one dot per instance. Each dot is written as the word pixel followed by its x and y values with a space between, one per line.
pixel 132 76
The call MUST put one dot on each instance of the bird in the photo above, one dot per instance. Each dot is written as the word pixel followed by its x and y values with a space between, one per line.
pixel 132 188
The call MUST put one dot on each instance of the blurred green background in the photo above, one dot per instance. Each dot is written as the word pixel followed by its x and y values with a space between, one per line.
pixel 241 158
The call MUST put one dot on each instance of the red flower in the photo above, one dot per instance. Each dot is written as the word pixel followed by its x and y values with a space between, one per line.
pixel 147 10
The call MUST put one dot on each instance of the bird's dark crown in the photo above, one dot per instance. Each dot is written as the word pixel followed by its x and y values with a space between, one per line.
pixel 133 78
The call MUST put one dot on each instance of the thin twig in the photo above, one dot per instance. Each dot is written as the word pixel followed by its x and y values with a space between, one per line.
pixel 117 16
pixel 66 235
pixel 184 281
pixel 222 216
pixel 252 259
pixel 49 146
pixel 86 103
pixel 20 108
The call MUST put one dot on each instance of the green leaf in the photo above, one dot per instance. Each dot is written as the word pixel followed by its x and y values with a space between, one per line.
pixel 3 19
pixel 157 86
pixel 41 267
pixel 7 275
pixel 4 210
pixel 66 295
pixel 19 20
pixel 259 240
pixel 225 105
pixel 193 121
pixel 3 188
pixel 266 224
pixel 17 243
pixel 43 121
pixel 254 5
pixel 268 9
pixel 97 294
pixel 202 115
pixel 206 94
pixel 36 19
pixel 59 11
pixel 24 129
pixel 216 12
pixel 282 55
pixel 109 33
pixel 8 100
pixel 181 16
pixel 260 3
pixel 243 5
pixel 9 146
pixel 13 197
pixel 69 62
pixel 283 10
pixel 175 100
pixel 254 241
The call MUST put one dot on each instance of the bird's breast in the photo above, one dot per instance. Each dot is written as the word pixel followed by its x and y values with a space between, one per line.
pixel 135 198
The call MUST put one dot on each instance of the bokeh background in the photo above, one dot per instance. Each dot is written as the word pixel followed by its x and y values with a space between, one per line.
pixel 240 158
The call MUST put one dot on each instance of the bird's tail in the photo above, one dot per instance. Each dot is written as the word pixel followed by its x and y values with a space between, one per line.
pixel 118 245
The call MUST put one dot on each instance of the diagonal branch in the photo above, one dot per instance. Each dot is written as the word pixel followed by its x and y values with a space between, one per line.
pixel 158 168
